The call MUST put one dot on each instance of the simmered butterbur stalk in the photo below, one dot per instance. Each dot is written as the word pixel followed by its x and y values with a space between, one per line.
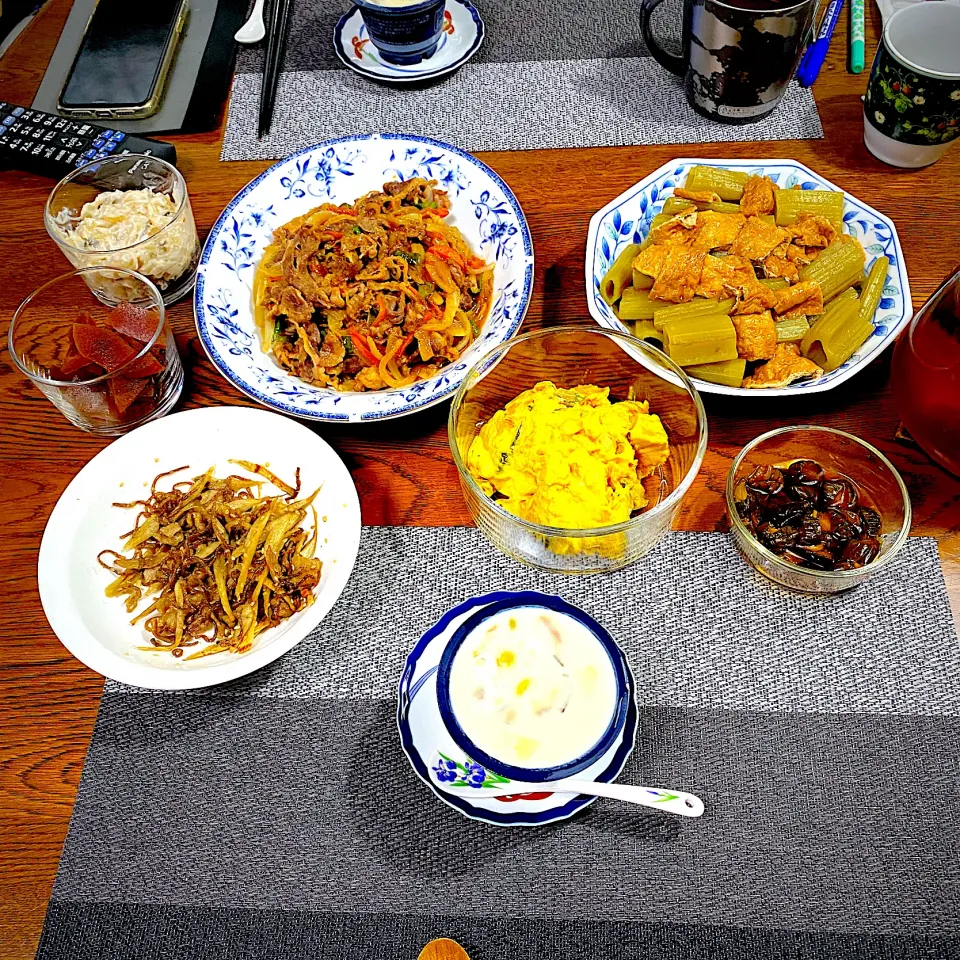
pixel 698 307
pixel 220 562
pixel 792 330
pixel 728 373
pixel 727 184
pixel 838 267
pixel 834 338
pixel 825 203
pixel 638 305
pixel 701 340
pixel 873 288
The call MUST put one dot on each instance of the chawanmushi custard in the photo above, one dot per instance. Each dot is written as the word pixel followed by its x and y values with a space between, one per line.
pixel 809 517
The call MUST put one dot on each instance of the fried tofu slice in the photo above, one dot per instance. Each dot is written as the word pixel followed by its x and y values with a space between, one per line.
pixel 756 335
pixel 757 199
pixel 812 230
pixel 752 296
pixel 678 276
pixel 650 259
pixel 803 299
pixel 779 266
pixel 758 239
pixel 719 274
pixel 697 196
pixel 676 232
pixel 785 367
pixel 717 231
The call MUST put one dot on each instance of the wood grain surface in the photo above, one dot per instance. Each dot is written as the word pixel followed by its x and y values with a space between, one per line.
pixel 403 470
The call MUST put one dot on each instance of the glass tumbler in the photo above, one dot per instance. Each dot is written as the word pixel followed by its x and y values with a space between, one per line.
pixel 152 232
pixel 926 375
pixel 572 356
pixel 107 370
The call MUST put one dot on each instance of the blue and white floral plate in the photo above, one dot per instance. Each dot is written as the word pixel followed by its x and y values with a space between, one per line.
pixel 461 38
pixel 627 220
pixel 423 735
pixel 339 171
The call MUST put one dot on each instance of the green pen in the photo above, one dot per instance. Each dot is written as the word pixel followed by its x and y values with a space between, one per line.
pixel 856 36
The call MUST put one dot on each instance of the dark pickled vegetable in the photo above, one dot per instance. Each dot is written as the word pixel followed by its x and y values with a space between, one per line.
pixel 810 518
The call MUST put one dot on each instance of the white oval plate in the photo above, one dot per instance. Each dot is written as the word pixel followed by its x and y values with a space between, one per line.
pixel 627 219
pixel 95 628
pixel 339 171
pixel 461 38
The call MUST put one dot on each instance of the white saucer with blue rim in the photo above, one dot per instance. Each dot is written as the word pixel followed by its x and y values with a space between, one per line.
pixel 461 38
pixel 423 733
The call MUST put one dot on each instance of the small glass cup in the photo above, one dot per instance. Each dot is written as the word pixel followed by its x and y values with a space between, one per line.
pixel 136 375
pixel 876 477
pixel 168 256
pixel 571 356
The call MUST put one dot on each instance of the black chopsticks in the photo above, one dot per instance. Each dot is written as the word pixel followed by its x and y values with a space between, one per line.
pixel 276 44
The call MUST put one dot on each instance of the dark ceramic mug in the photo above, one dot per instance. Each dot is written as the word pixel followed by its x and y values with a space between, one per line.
pixel 738 57
pixel 404 34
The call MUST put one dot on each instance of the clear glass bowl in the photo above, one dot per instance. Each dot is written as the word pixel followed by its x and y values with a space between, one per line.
pixel 837 452
pixel 168 256
pixel 140 377
pixel 572 356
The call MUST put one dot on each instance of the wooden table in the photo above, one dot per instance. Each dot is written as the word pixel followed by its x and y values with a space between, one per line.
pixel 403 470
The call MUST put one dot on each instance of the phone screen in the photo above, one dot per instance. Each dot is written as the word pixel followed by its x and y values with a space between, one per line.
pixel 122 53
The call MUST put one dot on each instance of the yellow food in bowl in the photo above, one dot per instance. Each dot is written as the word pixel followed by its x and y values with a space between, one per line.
pixel 568 457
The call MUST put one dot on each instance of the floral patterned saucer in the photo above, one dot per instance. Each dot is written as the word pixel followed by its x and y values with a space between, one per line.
pixel 424 736
pixel 462 36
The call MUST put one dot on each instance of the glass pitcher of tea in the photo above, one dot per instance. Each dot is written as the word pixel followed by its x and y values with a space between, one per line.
pixel 926 375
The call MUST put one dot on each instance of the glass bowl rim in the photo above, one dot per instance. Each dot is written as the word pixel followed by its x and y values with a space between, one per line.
pixel 612 529
pixel 770 557
pixel 49 221
pixel 79 272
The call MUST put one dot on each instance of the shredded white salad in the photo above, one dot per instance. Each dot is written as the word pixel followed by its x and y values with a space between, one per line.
pixel 121 223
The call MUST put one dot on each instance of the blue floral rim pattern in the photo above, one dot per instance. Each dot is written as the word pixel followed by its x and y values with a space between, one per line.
pixel 534 775
pixel 310 176
pixel 627 219
pixel 507 818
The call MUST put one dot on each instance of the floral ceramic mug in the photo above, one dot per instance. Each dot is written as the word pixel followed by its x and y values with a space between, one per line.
pixel 912 107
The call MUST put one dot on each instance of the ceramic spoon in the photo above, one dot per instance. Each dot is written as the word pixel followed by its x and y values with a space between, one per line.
pixel 253 30
pixel 469 778
pixel 443 950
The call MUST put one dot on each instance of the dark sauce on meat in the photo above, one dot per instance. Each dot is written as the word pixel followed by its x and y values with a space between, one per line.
pixel 809 517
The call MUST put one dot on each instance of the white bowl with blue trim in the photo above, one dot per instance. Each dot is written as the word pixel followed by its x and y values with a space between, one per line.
pixel 425 734
pixel 483 207
pixel 626 220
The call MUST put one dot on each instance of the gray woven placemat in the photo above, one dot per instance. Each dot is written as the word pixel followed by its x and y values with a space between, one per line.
pixel 278 818
pixel 563 74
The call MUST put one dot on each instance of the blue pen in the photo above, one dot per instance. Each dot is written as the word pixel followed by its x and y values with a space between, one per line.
pixel 809 68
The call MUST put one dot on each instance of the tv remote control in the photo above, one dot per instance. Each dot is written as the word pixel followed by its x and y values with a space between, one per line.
pixel 44 143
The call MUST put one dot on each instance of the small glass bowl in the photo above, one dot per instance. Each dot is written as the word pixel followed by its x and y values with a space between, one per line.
pixel 43 344
pixel 572 356
pixel 168 257
pixel 838 452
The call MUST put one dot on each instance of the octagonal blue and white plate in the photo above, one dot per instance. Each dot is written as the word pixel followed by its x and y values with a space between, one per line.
pixel 626 220
pixel 483 207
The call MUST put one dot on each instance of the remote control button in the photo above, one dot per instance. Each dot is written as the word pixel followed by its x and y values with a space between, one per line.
pixel 106 134
pixel 17 111
pixel 89 154
pixel 80 162
pixel 111 146
pixel 8 120
pixel 118 135
pixel 98 143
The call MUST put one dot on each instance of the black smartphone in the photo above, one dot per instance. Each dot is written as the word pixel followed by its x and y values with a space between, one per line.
pixel 123 62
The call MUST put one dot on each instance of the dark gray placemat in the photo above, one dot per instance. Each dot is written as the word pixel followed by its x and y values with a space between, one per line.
pixel 564 74
pixel 278 817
